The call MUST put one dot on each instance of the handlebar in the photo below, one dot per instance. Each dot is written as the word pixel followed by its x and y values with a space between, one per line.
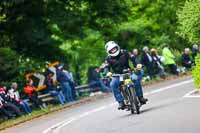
pixel 118 75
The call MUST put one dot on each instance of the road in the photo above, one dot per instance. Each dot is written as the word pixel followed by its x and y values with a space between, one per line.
pixel 167 111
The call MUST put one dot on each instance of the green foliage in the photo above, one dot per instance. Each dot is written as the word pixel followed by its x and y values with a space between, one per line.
pixel 75 31
pixel 9 64
pixel 189 21
pixel 196 72
pixel 151 23
pixel 178 56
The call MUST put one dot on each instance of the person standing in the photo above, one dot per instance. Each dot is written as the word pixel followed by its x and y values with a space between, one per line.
pixel 65 83
pixel 71 80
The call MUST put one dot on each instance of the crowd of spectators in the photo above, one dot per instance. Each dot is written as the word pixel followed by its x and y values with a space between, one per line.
pixel 12 106
pixel 155 64
pixel 159 64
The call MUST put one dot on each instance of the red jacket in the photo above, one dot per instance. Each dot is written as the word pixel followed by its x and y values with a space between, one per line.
pixel 29 90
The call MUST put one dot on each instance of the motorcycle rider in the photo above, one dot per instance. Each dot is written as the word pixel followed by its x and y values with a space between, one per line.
pixel 118 60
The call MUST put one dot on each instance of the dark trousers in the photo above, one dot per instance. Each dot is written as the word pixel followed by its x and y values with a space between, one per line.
pixel 11 107
pixel 6 113
pixel 149 69
pixel 173 69
pixel 73 90
pixel 37 101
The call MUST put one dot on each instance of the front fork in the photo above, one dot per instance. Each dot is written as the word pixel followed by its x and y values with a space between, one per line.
pixel 124 92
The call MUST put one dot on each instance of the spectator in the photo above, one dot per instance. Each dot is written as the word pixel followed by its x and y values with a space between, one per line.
pixel 15 98
pixel 169 59
pixel 135 57
pixel 71 80
pixel 3 111
pixel 29 90
pixel 186 60
pixel 7 105
pixel 157 64
pixel 94 79
pixel 51 89
pixel 146 60
pixel 65 83
pixel 195 51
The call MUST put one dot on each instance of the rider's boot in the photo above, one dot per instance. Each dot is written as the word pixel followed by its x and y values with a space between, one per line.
pixel 142 100
pixel 121 106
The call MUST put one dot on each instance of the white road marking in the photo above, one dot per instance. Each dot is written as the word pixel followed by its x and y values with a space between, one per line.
pixel 189 95
pixel 56 128
pixel 169 87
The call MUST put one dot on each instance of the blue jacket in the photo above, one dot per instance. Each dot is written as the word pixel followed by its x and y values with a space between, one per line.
pixel 62 77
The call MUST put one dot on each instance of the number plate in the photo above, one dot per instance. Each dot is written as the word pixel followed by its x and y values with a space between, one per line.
pixel 127 81
pixel 121 78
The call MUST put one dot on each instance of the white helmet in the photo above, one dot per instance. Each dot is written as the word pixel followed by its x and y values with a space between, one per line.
pixel 112 48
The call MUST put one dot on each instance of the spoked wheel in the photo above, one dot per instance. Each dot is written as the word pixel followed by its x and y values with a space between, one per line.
pixel 133 101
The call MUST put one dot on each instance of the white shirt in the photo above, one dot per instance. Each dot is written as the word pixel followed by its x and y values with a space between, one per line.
pixel 14 94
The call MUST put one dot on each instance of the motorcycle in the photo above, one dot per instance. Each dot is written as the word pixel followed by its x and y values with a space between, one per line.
pixel 127 89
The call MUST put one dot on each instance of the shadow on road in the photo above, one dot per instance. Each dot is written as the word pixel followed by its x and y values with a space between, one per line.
pixel 150 108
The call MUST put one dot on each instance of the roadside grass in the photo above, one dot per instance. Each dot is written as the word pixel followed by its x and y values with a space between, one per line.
pixel 169 77
pixel 35 114
pixel 54 108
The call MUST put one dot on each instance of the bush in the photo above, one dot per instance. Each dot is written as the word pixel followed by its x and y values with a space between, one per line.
pixel 196 72
pixel 178 56
pixel 189 21
pixel 9 64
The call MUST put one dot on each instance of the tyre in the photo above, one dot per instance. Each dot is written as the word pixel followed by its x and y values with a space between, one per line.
pixel 133 101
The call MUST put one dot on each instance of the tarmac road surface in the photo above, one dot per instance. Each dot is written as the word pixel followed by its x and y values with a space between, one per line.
pixel 167 111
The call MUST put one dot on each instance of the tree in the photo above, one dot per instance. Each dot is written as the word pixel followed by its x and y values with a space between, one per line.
pixel 151 23
pixel 40 29
pixel 189 27
pixel 9 64
pixel 189 21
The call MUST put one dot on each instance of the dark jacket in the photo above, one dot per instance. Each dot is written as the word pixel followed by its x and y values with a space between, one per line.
pixel 186 61
pixel 62 77
pixel 135 60
pixel 145 59
pixel 194 53
pixel 120 62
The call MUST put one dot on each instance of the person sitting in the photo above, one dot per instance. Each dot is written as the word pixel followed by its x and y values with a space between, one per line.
pixel 94 80
pixel 169 59
pixel 186 60
pixel 29 90
pixel 146 61
pixel 135 57
pixel 4 111
pixel 51 89
pixel 195 51
pixel 15 98
pixel 7 104
pixel 157 64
